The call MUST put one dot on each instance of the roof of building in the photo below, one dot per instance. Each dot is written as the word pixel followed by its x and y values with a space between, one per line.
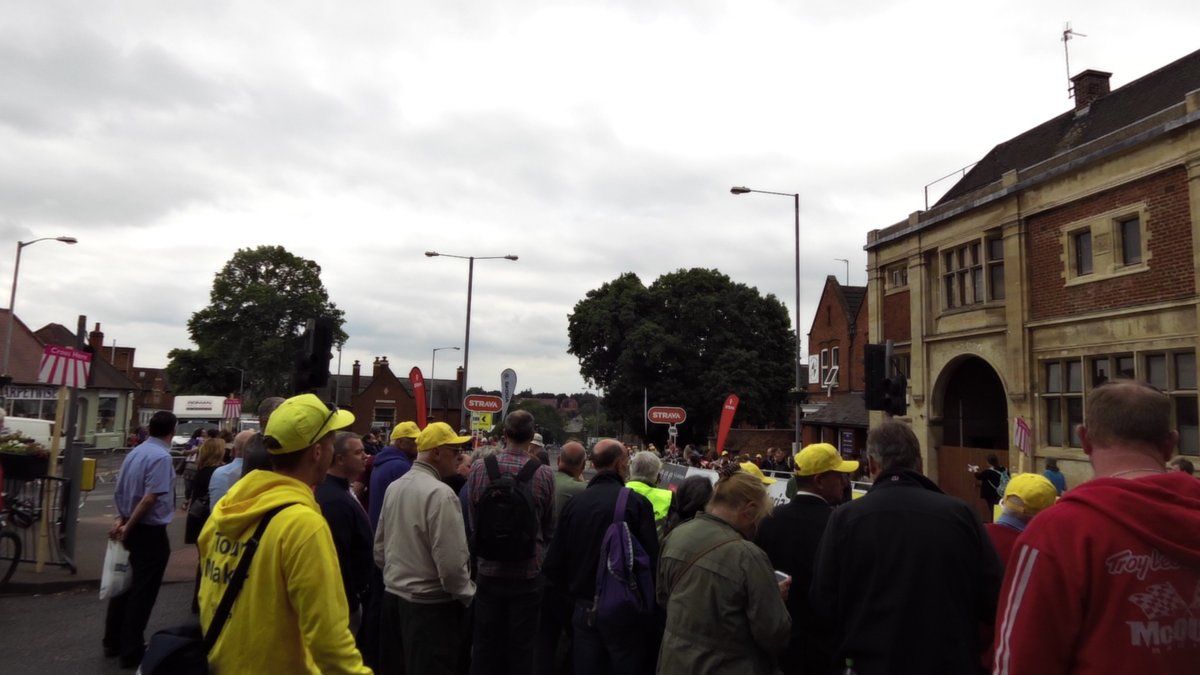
pixel 25 357
pixel 850 298
pixel 1122 107
pixel 445 392
pixel 843 410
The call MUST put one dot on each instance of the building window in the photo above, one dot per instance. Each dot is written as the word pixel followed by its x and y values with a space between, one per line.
pixel 1175 374
pixel 384 417
pixel 962 276
pixel 897 276
pixel 903 364
pixel 995 267
pixel 824 366
pixel 833 360
pixel 106 414
pixel 1081 245
pixel 1062 394
pixel 1130 231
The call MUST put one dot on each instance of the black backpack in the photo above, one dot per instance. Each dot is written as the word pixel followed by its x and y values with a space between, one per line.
pixel 506 523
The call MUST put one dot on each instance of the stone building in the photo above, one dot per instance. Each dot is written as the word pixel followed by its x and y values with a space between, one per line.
pixel 1065 257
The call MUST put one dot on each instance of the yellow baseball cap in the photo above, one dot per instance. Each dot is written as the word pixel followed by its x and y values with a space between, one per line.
pixel 753 470
pixel 438 434
pixel 1029 493
pixel 821 457
pixel 406 430
pixel 303 420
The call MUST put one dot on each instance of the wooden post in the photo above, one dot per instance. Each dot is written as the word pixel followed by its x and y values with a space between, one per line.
pixel 43 535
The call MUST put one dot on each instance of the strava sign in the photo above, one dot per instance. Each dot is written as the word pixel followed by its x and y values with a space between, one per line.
pixel 661 414
pixel 483 403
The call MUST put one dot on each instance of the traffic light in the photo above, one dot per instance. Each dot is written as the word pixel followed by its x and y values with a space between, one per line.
pixel 889 394
pixel 314 350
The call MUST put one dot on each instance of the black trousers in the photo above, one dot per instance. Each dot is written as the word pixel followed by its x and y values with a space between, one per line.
pixel 419 639
pixel 599 650
pixel 554 632
pixel 506 625
pixel 129 612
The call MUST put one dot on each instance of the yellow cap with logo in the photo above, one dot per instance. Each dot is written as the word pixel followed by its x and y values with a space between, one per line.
pixel 438 434
pixel 303 420
pixel 406 430
pixel 1029 493
pixel 821 457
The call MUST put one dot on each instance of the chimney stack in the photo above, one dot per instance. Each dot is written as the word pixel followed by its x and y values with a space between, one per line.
pixel 1089 86
pixel 96 339
pixel 355 378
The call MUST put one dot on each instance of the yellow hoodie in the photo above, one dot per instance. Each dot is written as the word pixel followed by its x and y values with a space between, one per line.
pixel 291 616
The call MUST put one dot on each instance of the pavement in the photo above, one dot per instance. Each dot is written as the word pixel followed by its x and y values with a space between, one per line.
pixel 95 519
pixel 60 632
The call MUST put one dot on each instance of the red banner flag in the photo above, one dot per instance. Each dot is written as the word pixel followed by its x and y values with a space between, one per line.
pixel 727 411
pixel 418 385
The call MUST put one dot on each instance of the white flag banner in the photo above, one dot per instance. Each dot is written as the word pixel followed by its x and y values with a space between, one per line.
pixel 508 385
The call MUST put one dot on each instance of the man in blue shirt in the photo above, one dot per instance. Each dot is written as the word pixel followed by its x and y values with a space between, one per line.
pixel 145 501
pixel 225 476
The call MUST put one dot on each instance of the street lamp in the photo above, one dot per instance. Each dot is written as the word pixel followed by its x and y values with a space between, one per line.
pixel 432 366
pixel 847 268
pixel 462 418
pixel 12 298
pixel 241 381
pixel 796 200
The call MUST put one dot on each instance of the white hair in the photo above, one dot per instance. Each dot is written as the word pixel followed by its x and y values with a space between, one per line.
pixel 644 467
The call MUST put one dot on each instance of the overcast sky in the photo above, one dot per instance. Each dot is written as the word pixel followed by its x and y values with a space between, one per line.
pixel 589 138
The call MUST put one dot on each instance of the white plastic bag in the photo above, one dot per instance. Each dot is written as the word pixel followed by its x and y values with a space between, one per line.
pixel 116 576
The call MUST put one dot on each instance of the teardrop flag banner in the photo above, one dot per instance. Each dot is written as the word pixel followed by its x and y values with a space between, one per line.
pixel 727 411
pixel 418 385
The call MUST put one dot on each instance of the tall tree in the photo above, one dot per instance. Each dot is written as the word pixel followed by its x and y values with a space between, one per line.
pixel 689 339
pixel 258 306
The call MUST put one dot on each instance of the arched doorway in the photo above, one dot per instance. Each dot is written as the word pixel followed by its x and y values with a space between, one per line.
pixel 974 424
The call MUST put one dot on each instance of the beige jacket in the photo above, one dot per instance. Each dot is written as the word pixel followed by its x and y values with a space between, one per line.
pixel 421 542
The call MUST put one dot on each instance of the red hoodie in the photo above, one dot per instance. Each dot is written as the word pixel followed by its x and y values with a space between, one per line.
pixel 1106 581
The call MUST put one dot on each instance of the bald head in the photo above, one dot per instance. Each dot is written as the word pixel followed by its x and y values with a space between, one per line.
pixel 607 454
pixel 571 458
pixel 240 441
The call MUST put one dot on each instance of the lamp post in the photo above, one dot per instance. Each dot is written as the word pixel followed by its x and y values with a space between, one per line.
pixel 795 200
pixel 241 381
pixel 462 417
pixel 432 366
pixel 12 298
pixel 847 268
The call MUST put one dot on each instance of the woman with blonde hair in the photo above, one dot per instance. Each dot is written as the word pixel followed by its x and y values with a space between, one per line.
pixel 211 456
pixel 725 607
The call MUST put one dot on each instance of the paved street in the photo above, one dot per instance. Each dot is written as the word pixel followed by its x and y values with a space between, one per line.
pixel 61 633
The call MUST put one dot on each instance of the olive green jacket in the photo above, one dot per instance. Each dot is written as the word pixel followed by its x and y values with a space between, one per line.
pixel 724 614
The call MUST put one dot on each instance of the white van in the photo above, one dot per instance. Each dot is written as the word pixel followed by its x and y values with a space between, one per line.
pixel 38 430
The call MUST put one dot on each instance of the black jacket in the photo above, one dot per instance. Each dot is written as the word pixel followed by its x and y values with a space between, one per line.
pixel 790 536
pixel 905 575
pixel 575 551
pixel 351 535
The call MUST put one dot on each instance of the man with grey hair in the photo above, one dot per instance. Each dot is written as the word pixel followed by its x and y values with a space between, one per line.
pixel 512 520
pixel 943 576
pixel 352 537
pixel 643 477
pixel 225 476
pixel 256 455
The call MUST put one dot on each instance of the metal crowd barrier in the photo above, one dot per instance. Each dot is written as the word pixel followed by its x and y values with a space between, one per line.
pixel 24 499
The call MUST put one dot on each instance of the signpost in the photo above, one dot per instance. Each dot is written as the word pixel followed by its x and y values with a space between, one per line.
pixel 64 367
pixel 484 403
pixel 481 421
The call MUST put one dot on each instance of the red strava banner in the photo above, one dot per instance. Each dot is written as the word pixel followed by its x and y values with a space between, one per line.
pixel 727 411
pixel 664 414
pixel 418 385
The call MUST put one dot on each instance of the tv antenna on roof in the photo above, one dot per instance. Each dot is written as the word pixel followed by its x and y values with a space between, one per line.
pixel 1067 34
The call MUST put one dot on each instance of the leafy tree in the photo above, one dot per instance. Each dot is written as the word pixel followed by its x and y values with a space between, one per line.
pixel 549 423
pixel 689 339
pixel 258 306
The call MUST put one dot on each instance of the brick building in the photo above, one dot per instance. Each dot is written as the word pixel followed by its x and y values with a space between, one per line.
pixel 1063 258
pixel 381 400
pixel 835 412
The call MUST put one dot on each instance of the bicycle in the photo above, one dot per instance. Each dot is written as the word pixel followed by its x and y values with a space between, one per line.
pixel 10 542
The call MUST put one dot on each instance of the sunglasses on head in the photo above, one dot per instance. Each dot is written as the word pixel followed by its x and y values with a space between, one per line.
pixel 318 434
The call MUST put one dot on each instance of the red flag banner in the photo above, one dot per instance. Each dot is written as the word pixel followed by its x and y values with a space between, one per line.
pixel 418 385
pixel 727 411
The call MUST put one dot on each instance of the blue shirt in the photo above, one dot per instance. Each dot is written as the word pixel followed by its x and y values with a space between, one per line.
pixel 1056 479
pixel 147 470
pixel 223 479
